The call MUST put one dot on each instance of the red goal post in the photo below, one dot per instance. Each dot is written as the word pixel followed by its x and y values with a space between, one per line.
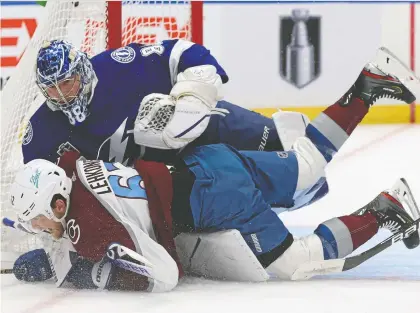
pixel 117 35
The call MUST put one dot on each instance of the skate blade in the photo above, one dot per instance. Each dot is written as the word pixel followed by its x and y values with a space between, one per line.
pixel 403 193
pixel 389 63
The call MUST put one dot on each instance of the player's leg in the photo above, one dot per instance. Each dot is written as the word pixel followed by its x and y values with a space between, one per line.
pixel 377 80
pixel 214 191
pixel 328 132
pixel 275 173
pixel 340 236
pixel 241 128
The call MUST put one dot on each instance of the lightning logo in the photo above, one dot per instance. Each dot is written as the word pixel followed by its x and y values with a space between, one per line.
pixel 117 145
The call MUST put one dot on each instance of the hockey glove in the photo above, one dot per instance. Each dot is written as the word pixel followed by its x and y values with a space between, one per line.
pixel 172 121
pixel 122 269
pixel 33 266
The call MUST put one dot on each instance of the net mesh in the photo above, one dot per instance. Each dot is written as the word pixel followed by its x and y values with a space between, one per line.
pixel 83 23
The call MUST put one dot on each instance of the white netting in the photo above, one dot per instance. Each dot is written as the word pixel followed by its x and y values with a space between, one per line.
pixel 84 23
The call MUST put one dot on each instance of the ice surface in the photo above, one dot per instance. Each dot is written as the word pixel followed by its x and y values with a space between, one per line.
pixel 372 159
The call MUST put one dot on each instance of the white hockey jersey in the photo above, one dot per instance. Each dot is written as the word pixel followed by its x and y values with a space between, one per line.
pixel 109 204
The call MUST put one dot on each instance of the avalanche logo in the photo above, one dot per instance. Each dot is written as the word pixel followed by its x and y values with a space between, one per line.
pixel 73 231
pixel 124 54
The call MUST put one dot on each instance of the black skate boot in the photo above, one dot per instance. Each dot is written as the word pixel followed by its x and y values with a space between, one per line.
pixel 388 209
pixel 375 82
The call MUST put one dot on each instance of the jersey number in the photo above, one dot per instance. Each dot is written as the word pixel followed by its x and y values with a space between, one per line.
pixel 131 188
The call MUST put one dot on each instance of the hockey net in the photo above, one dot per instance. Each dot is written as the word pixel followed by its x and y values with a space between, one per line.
pixel 92 26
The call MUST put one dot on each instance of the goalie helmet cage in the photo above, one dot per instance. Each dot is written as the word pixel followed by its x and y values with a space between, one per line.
pixel 92 26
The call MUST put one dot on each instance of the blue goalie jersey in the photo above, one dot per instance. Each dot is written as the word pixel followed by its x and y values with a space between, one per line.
pixel 124 77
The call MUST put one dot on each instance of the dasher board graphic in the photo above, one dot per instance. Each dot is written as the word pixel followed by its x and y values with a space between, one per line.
pixel 300 45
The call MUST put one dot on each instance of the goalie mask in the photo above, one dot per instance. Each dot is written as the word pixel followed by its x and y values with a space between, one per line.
pixel 34 188
pixel 66 78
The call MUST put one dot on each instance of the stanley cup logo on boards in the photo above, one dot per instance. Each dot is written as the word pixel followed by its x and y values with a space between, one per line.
pixel 300 47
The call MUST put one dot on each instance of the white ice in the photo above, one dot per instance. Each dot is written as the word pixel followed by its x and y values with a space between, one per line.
pixel 372 159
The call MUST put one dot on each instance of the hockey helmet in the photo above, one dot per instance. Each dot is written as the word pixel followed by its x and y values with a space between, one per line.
pixel 66 78
pixel 34 188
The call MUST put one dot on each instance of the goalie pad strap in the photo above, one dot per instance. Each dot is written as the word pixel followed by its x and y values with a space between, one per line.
pixel 269 257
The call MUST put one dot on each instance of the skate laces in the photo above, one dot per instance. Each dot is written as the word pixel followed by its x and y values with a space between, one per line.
pixel 391 92
pixel 387 216
pixel 392 226
pixel 380 83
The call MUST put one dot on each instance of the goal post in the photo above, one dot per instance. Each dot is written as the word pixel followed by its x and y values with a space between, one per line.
pixel 118 34
pixel 92 26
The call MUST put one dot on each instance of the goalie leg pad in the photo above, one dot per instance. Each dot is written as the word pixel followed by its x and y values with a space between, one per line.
pixel 335 238
pixel 290 126
pixel 303 250
pixel 221 255
pixel 311 163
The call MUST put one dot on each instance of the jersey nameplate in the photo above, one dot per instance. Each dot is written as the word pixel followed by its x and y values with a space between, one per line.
pixel 95 177
pixel 158 49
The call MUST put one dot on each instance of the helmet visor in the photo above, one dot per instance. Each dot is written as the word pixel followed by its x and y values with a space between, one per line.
pixel 63 92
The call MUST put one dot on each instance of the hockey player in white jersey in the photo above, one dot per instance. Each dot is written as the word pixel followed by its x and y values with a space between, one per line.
pixel 122 224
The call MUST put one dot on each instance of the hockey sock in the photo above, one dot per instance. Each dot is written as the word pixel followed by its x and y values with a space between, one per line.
pixel 331 128
pixel 340 236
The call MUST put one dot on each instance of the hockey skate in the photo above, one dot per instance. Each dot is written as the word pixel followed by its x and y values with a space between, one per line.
pixel 384 77
pixel 395 209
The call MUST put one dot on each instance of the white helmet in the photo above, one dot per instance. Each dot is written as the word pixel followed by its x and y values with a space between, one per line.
pixel 34 187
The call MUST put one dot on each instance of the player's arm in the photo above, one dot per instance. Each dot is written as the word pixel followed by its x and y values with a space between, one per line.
pixel 172 121
pixel 58 261
pixel 44 135
pixel 120 269
pixel 185 55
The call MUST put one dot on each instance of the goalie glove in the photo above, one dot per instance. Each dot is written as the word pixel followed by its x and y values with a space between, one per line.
pixel 173 121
